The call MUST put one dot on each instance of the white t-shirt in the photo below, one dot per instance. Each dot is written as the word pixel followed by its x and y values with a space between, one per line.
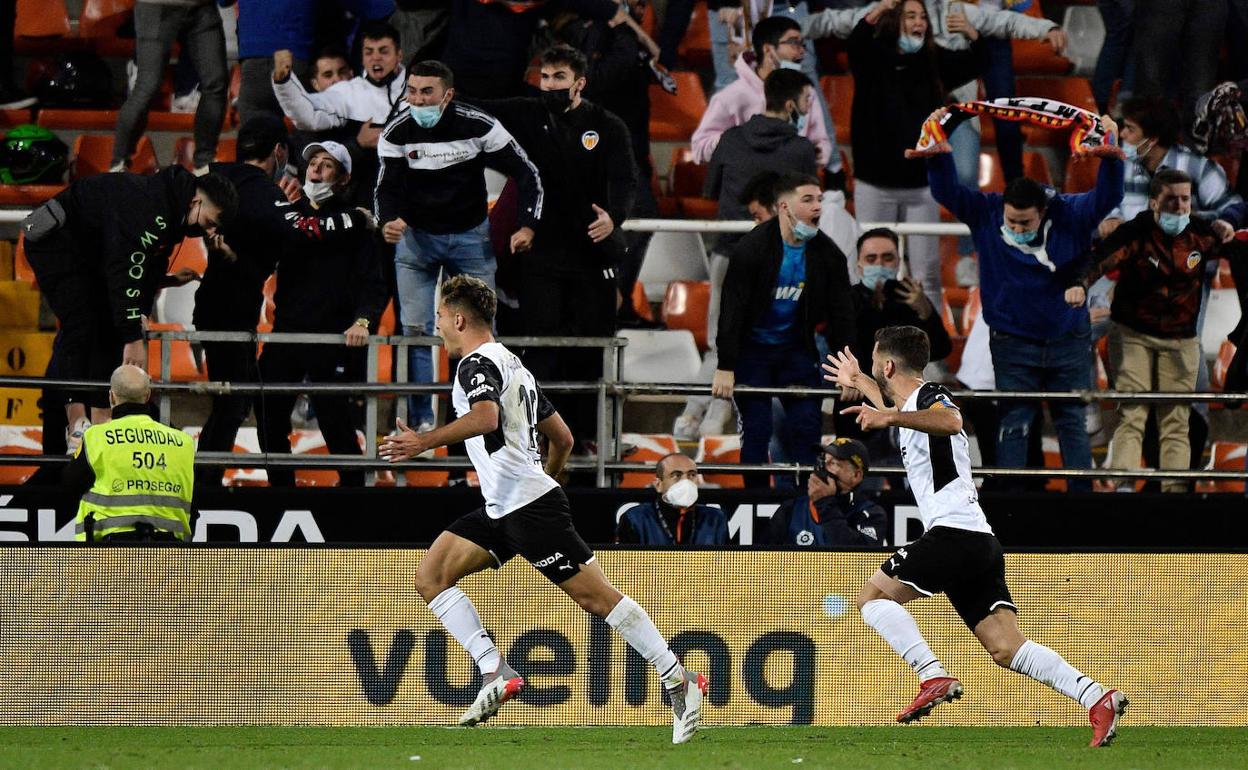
pixel 507 460
pixel 939 468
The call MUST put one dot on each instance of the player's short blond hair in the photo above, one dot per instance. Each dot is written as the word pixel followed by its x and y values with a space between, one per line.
pixel 471 296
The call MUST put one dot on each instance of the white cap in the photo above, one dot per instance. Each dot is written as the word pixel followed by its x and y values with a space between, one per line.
pixel 336 151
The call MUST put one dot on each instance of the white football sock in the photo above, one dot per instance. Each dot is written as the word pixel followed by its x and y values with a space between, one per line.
pixel 891 621
pixel 634 624
pixel 456 612
pixel 1045 666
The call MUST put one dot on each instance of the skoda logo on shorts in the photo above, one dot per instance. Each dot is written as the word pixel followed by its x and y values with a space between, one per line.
pixel 805 537
pixel 589 140
pixel 118 485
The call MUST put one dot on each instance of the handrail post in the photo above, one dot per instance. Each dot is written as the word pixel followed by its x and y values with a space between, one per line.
pixel 401 351
pixel 370 412
pixel 600 471
pixel 166 373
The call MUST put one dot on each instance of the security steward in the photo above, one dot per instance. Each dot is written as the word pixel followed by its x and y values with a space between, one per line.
pixel 138 474
pixel 567 280
pixel 833 512
pixel 674 518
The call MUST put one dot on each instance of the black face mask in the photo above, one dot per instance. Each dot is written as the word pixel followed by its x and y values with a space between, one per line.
pixel 557 101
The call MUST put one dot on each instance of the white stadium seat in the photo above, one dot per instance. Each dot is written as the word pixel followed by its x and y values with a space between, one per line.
pixel 1085 31
pixel 660 356
pixel 672 257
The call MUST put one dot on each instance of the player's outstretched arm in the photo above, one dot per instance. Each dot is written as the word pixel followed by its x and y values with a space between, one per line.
pixel 937 422
pixel 560 437
pixel 843 369
pixel 481 419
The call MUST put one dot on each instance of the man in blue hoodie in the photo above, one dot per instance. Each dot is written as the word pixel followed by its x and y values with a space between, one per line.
pixel 1030 241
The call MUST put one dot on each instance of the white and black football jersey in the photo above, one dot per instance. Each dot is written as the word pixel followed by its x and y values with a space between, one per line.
pixel 939 468
pixel 507 461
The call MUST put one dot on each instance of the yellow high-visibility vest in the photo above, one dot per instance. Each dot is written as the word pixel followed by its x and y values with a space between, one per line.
pixel 144 473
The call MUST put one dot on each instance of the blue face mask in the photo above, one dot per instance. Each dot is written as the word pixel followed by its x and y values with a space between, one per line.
pixel 877 275
pixel 802 231
pixel 909 44
pixel 1173 224
pixel 1025 238
pixel 426 116
pixel 798 120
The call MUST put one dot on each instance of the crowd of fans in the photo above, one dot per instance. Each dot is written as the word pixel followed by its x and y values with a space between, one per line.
pixel 398 107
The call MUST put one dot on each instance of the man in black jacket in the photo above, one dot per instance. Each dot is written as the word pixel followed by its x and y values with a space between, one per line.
pixel 431 201
pixel 834 511
pixel 322 288
pixel 786 280
pixel 567 280
pixel 100 250
pixel 239 263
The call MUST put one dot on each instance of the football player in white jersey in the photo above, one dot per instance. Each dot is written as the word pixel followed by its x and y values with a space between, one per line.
pixel 958 553
pixel 500 413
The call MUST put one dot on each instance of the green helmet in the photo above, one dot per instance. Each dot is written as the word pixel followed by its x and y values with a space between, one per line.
pixel 33 155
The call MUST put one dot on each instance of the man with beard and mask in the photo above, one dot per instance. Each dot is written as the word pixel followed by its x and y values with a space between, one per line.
pixel 786 281
pixel 239 263
pixel 100 251
pixel 432 203
pixel 567 283
pixel 674 518
pixel 324 287
pixel 1030 241
pixel 833 512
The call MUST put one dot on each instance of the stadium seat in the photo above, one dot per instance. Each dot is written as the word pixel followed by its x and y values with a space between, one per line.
pixel 644 448
pixel 1224 279
pixel 672 257
pixel 1224 456
pixel 971 310
pixel 184 151
pixel 93 154
pixel 660 356
pixel 231 95
pixel 190 253
pixel 957 344
pixel 78 120
pixel 22 270
pixel 30 195
pixel 267 308
pixel 1080 174
pixel 19 440
pixel 386 324
pixel 946 316
pixel 992 176
pixel 1085 33
pixel 1053 459
pixel 1222 314
pixel 720 450
pixel 639 302
pixel 41 18
pixel 838 90
pixel 1221 365
pixel 685 307
pixel 1036 57
pixel 695 47
pixel 1072 90
pixel 184 365
pixel 686 181
pixel 673 118
pixel 429 478
pixel 311 442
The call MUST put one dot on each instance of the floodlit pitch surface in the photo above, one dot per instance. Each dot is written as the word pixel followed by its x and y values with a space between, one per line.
pixel 547 748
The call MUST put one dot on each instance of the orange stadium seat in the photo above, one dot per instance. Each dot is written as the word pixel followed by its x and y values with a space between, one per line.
pixel 646 448
pixel 93 154
pixel 685 306
pixel 673 118
pixel 190 253
pixel 992 176
pixel 957 345
pixel 1053 459
pixel 41 18
pixel 946 316
pixel 27 194
pixel 184 151
pixel 1224 456
pixel 78 120
pixel 19 440
pixel 311 442
pixel 721 450
pixel 695 47
pixel 1080 174
pixel 1036 57
pixel 1224 278
pixel 231 95
pixel 184 367
pixel 1217 377
pixel 640 304
pixel 429 478
pixel 838 90
pixel 686 180
pixel 22 270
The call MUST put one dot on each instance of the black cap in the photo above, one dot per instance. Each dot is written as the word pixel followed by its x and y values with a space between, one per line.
pixel 257 136
pixel 850 449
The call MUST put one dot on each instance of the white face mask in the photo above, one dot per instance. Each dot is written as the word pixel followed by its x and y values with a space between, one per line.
pixel 318 192
pixel 682 494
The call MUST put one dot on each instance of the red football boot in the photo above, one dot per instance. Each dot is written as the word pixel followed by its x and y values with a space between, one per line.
pixel 932 693
pixel 1104 717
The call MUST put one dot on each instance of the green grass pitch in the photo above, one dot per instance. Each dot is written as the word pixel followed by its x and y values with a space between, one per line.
pixel 417 748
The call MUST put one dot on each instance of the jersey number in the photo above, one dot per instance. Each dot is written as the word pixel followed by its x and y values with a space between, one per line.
pixel 147 460
pixel 529 397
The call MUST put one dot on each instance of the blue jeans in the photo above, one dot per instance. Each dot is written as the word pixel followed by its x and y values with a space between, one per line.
pixel 1115 60
pixel 777 367
pixel 418 258
pixel 1061 364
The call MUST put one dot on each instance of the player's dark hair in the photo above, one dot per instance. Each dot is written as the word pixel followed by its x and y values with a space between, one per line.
pixel 908 346
pixel 331 51
pixel 790 181
pixel 432 68
pixel 380 30
pixel 761 188
pixel 472 296
pixel 877 232
pixel 221 192
pixel 1024 193
pixel 259 135
pixel 658 467
pixel 768 31
pixel 783 86
pixel 565 54
pixel 1166 177
pixel 1156 117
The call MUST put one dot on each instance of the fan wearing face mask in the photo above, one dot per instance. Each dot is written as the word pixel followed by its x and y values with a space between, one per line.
pixel 786 282
pixel 834 511
pixel 1030 242
pixel 674 517
pixel 1160 256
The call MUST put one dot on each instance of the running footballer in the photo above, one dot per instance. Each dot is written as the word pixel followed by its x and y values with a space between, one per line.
pixel 501 411
pixel 958 553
